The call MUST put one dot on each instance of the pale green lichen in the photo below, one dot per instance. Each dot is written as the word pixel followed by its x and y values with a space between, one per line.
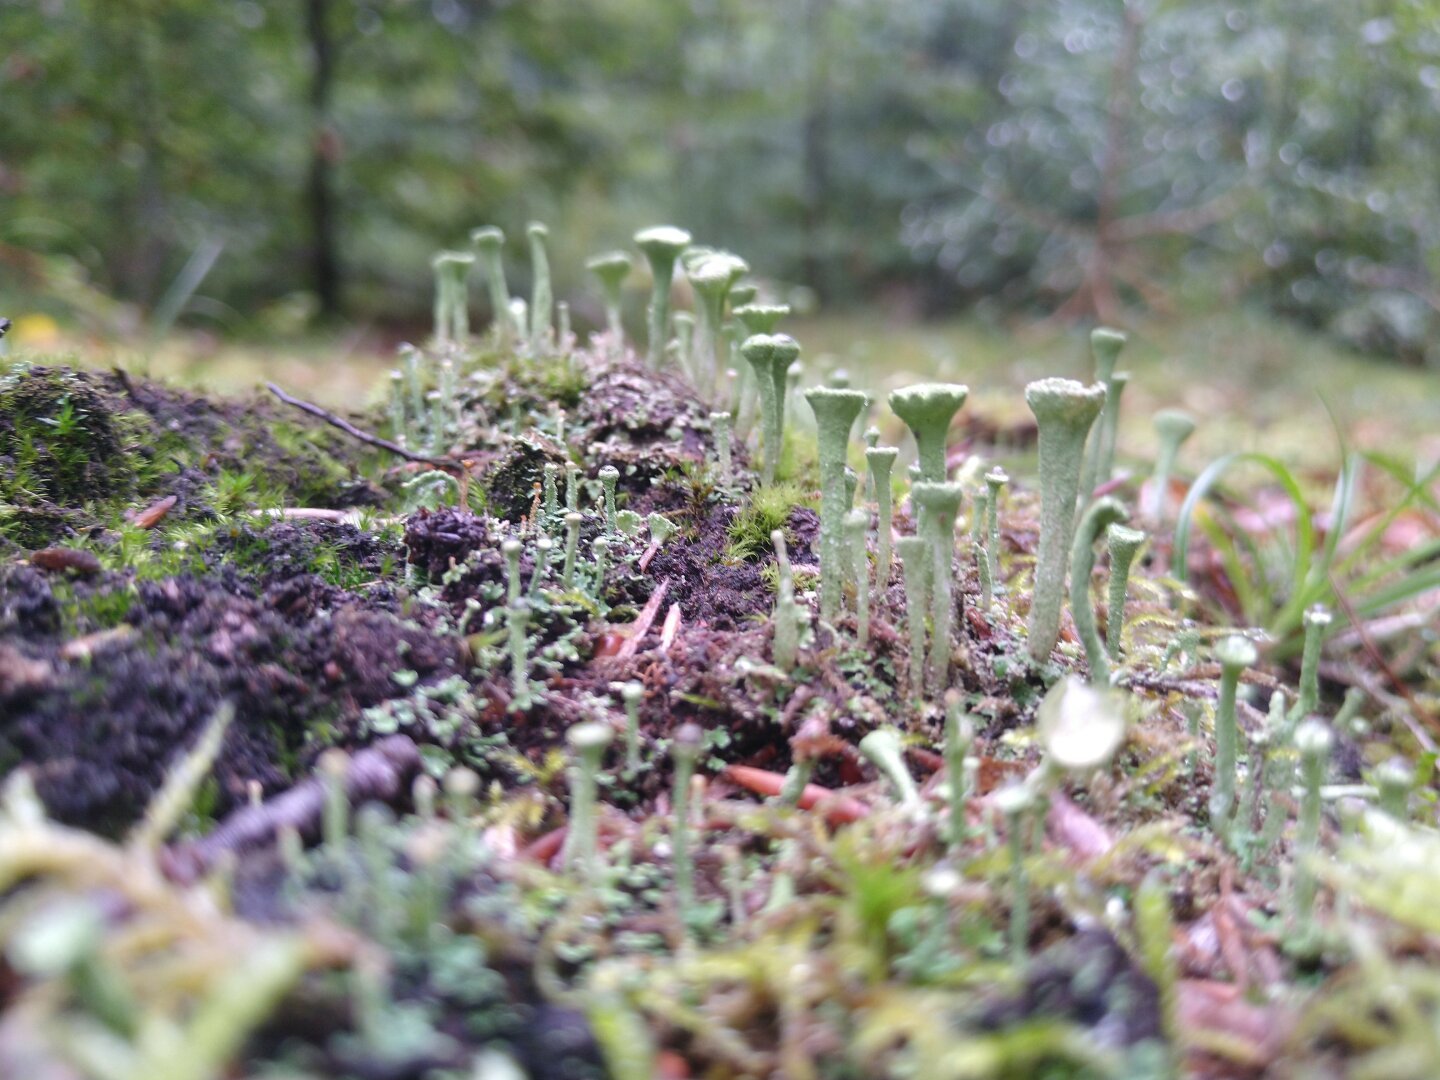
pixel 489 243
pixel 609 477
pixel 1064 411
pixel 918 565
pixel 1099 516
pixel 587 742
pixel 452 312
pixel 542 296
pixel 786 641
pixel 879 461
pixel 884 750
pixel 611 268
pixel 927 410
pixel 1235 654
pixel 661 245
pixel 835 413
pixel 771 357
pixel 1123 544
pixel 1105 346
pixel 940 504
pixel 857 525
pixel 1173 427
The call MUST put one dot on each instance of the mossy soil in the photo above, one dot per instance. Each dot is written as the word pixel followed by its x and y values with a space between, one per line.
pixel 388 623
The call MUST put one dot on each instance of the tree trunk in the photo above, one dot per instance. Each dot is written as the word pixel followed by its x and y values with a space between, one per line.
pixel 324 151
pixel 815 135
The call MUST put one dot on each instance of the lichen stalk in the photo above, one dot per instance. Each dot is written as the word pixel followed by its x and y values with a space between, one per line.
pixel 1235 654
pixel 1105 346
pixel 1099 516
pixel 857 525
pixel 927 410
pixel 995 481
pixel 917 564
pixel 689 740
pixel 587 743
pixel 1064 411
pixel 611 268
pixel 720 423
pixel 661 245
pixel 1313 740
pixel 542 296
pixel 769 357
pixel 1124 544
pixel 1317 619
pixel 631 694
pixel 884 749
pixel 959 738
pixel 488 242
pixel 835 412
pixel 609 477
pixel 1173 427
pixel 879 461
pixel 517 620
pixel 572 546
pixel 786 643
pixel 940 503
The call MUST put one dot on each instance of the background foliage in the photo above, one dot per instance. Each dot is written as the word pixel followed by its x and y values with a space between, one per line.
pixel 1071 156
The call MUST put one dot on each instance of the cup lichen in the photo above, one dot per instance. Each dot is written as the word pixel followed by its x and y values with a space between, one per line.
pixel 661 245
pixel 1064 412
pixel 927 410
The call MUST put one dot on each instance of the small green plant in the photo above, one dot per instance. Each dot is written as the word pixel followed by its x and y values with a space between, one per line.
pixel 768 509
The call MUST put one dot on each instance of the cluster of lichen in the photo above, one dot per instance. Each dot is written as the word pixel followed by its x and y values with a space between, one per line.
pixel 863 940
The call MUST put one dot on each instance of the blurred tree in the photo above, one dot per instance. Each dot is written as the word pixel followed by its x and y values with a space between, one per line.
pixel 1061 156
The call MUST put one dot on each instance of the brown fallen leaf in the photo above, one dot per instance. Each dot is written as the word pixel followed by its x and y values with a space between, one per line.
pixel 83 648
pixel 1074 829
pixel 56 559
pixel 1222 1025
pixel 155 513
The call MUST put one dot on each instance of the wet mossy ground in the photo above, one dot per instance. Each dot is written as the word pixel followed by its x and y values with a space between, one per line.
pixel 387 626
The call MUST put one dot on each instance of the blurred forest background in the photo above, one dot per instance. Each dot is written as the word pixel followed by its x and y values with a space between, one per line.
pixel 260 167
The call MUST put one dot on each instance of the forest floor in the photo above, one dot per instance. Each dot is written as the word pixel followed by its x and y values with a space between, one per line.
pixel 303 816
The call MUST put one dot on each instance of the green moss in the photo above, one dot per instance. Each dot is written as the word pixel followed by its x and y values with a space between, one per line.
pixel 769 509
pixel 58 440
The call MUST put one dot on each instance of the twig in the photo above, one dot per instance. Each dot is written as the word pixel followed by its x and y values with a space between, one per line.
pixel 641 626
pixel 364 436
pixel 379 772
